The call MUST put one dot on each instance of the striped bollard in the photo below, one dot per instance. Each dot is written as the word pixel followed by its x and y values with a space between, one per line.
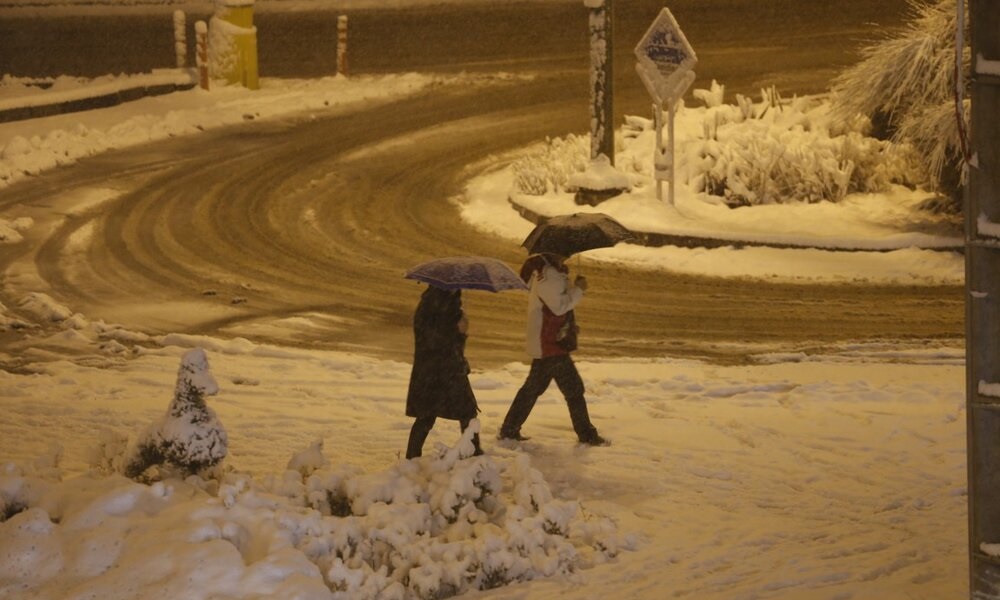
pixel 201 53
pixel 342 45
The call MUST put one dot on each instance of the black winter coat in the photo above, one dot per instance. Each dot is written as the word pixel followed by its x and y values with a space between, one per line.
pixel 439 382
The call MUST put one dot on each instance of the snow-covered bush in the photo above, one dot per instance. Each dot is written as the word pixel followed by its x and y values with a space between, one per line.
pixel 933 134
pixel 905 84
pixel 548 168
pixel 309 460
pixel 770 151
pixel 437 526
pixel 776 151
pixel 12 498
pixel 24 486
pixel 190 436
pixel 432 527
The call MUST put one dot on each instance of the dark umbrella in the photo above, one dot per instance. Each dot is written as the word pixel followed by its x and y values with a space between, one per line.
pixel 467 273
pixel 568 234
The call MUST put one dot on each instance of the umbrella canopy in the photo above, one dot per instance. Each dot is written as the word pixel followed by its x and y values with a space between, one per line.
pixel 467 273
pixel 568 234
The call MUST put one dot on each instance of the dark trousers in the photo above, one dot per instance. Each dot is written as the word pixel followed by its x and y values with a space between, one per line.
pixel 422 426
pixel 543 371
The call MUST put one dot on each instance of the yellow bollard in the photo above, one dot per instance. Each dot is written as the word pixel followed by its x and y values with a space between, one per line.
pixel 233 45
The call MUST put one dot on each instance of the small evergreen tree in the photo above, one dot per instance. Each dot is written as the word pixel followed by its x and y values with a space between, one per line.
pixel 190 436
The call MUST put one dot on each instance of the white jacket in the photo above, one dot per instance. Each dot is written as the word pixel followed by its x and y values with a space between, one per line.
pixel 554 289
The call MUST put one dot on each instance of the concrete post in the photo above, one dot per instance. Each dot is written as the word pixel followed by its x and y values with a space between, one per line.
pixel 342 45
pixel 602 129
pixel 982 260
pixel 180 38
pixel 201 52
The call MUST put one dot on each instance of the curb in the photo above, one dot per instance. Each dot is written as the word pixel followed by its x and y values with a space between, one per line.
pixel 657 240
pixel 92 102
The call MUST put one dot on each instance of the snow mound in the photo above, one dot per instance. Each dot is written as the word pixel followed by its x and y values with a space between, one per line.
pixel 426 528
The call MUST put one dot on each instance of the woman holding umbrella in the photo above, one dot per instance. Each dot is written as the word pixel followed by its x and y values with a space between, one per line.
pixel 439 381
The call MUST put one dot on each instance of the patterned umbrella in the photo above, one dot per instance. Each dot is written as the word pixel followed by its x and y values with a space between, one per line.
pixel 568 234
pixel 467 273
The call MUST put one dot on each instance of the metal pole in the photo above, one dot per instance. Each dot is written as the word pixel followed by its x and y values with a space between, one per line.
pixel 982 301
pixel 602 130
pixel 342 45
pixel 658 156
pixel 670 148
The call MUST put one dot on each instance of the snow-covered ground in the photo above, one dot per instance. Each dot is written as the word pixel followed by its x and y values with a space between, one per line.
pixel 839 477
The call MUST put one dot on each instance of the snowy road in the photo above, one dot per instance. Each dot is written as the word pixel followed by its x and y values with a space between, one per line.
pixel 300 231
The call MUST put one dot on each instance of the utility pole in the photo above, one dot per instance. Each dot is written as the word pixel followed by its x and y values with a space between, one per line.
pixel 602 115
pixel 982 301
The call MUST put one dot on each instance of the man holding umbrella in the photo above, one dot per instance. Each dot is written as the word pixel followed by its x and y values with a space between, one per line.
pixel 551 325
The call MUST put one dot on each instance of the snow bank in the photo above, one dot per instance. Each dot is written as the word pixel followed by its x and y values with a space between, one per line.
pixel 428 528
pixel 31 147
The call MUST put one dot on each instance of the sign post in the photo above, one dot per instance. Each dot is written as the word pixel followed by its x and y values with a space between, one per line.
pixel 665 63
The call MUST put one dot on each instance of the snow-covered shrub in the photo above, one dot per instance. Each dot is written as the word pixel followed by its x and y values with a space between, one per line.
pixel 9 508
pixel 464 487
pixel 436 526
pixel 932 132
pixel 433 527
pixel 905 79
pixel 12 497
pixel 190 436
pixel 308 460
pixel 713 96
pixel 778 151
pixel 326 490
pixel 770 151
pixel 549 167
pixel 22 486
pixel 108 455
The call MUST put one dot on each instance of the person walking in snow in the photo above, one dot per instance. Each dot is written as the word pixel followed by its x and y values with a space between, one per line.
pixel 439 381
pixel 551 336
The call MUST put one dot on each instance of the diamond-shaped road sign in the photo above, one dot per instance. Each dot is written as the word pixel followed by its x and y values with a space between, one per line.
pixel 665 58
